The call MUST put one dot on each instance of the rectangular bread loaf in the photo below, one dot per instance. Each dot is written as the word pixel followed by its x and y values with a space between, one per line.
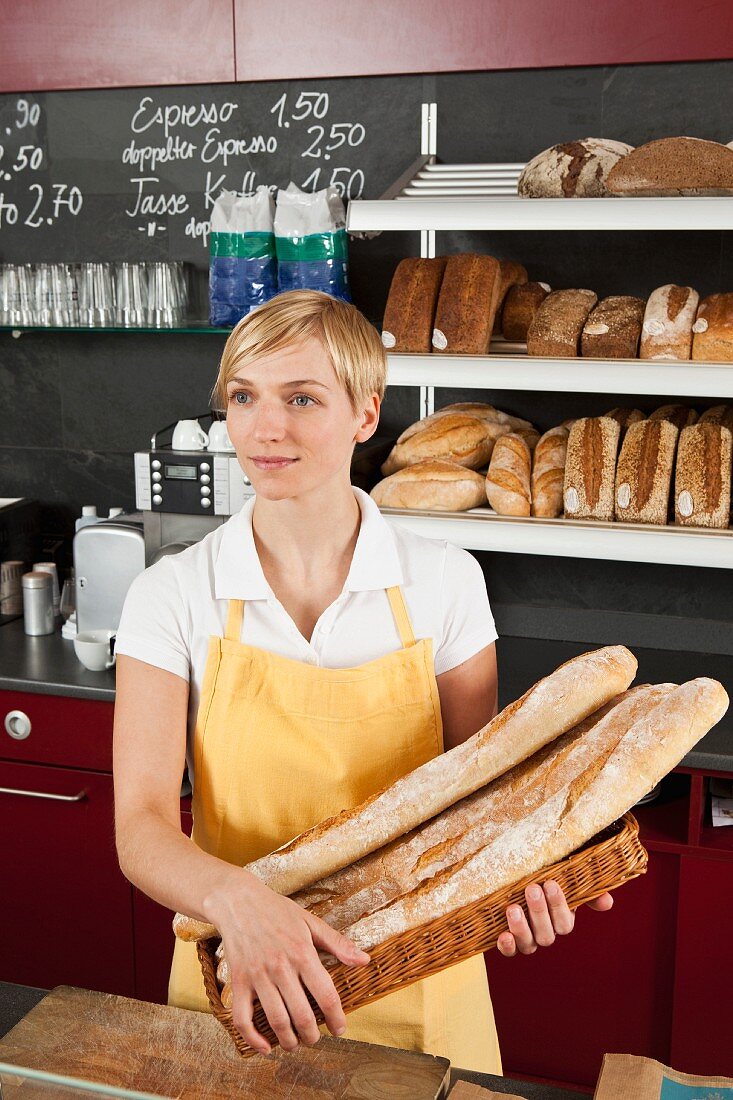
pixel 558 323
pixel 668 318
pixel 613 328
pixel 712 338
pixel 464 316
pixel 702 486
pixel 719 414
pixel 625 417
pixel 590 468
pixel 520 306
pixel 510 274
pixel 410 309
pixel 679 415
pixel 644 472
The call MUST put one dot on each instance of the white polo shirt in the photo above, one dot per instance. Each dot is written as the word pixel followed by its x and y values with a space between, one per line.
pixel 174 607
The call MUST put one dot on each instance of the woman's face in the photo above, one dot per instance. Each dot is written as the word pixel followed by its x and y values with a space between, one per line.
pixel 291 422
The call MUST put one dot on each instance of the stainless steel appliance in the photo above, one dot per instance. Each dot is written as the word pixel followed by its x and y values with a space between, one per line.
pixel 107 558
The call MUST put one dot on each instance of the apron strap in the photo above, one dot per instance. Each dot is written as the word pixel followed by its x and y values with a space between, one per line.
pixel 402 618
pixel 235 616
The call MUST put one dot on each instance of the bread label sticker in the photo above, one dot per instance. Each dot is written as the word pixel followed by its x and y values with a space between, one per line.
pixel 623 496
pixel 685 504
pixel 700 325
pixel 596 328
pixel 388 339
pixel 439 340
pixel 653 327
pixel 572 501
pixel 546 286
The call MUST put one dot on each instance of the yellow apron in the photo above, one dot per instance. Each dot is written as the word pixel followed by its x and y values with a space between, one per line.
pixel 280 745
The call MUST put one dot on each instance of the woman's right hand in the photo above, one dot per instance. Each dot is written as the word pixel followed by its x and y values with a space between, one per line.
pixel 272 944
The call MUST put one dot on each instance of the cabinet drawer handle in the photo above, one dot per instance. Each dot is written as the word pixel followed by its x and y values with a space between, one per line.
pixel 44 794
pixel 18 725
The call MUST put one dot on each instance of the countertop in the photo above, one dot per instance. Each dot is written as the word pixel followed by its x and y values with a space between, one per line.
pixel 48 665
pixel 17 1000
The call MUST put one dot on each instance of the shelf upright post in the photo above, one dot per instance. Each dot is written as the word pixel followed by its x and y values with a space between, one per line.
pixel 428 148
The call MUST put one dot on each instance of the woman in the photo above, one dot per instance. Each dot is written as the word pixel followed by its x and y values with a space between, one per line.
pixel 278 656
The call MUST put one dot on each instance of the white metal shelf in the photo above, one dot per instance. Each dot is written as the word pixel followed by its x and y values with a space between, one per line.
pixel 482 529
pixel 516 371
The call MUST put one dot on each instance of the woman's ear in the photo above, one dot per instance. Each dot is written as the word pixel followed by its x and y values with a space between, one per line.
pixel 369 419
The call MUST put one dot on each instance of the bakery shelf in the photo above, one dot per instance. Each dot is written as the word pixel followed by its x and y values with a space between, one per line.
pixel 482 529
pixel 503 371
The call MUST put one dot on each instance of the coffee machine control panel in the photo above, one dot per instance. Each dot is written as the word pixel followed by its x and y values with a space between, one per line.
pixel 190 482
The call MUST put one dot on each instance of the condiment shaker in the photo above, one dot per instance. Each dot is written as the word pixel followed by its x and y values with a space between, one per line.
pixel 38 617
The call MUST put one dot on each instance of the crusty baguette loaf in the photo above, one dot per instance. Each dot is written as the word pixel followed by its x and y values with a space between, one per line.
pixel 457 437
pixel 558 323
pixel 481 411
pixel 510 274
pixel 590 468
pixel 410 310
pixel 463 829
pixel 508 476
pixel 668 318
pixel 613 328
pixel 574 169
pixel 644 472
pixel 520 306
pixel 431 485
pixel 712 338
pixel 464 315
pixel 548 473
pixel 702 491
pixel 674 166
pixel 647 748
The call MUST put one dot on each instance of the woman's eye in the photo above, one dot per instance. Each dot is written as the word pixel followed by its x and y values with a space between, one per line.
pixel 301 400
pixel 237 395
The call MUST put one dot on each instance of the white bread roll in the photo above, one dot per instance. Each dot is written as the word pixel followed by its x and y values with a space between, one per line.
pixel 431 486
pixel 548 473
pixel 508 477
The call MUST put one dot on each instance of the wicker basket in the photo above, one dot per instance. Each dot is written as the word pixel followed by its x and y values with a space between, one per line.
pixel 610 859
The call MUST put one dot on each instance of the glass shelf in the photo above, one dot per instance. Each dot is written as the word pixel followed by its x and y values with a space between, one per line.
pixel 187 326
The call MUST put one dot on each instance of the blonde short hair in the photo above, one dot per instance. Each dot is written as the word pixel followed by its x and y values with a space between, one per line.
pixel 352 343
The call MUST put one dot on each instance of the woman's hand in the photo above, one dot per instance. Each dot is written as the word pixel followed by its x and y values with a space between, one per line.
pixel 549 916
pixel 272 944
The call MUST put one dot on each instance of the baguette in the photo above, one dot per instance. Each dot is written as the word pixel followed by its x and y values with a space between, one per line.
pixel 431 485
pixel 508 477
pixel 645 750
pixel 548 473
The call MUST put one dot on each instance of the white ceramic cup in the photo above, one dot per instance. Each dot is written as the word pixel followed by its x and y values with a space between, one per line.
pixel 219 437
pixel 188 435
pixel 92 649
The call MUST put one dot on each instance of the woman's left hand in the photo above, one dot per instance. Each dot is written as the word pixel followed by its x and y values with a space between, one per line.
pixel 549 916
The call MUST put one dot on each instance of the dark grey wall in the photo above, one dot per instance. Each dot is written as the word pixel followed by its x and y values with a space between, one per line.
pixel 75 406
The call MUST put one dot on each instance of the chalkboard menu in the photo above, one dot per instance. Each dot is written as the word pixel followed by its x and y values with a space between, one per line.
pixel 133 173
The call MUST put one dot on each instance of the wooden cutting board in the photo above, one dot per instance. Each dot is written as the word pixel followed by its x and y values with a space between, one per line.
pixel 172 1052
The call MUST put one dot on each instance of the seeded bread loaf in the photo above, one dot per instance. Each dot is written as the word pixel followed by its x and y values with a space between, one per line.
pixel 712 338
pixel 410 309
pixel 520 306
pixel 613 328
pixel 668 318
pixel 510 274
pixel 702 486
pixel 556 326
pixel 431 485
pixel 644 472
pixel 464 316
pixel 508 477
pixel 679 415
pixel 626 417
pixel 590 468
pixel 574 169
pixel 674 166
pixel 719 414
pixel 457 437
pixel 548 473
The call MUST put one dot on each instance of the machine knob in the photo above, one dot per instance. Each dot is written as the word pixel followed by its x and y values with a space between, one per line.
pixel 157 498
pixel 205 502
pixel 156 463
pixel 204 467
pixel 18 725
pixel 204 479
pixel 157 476
pixel 205 491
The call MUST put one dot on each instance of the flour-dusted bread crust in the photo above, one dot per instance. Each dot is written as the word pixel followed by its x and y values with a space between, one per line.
pixel 508 476
pixel 431 485
pixel 558 323
pixel 613 328
pixel 574 169
pixel 511 274
pixel 666 332
pixel 464 316
pixel 590 468
pixel 458 437
pixel 712 332
pixel 674 166
pixel 646 748
pixel 548 473
pixel 702 489
pixel 520 306
pixel 410 310
pixel 487 413
pixel 644 472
